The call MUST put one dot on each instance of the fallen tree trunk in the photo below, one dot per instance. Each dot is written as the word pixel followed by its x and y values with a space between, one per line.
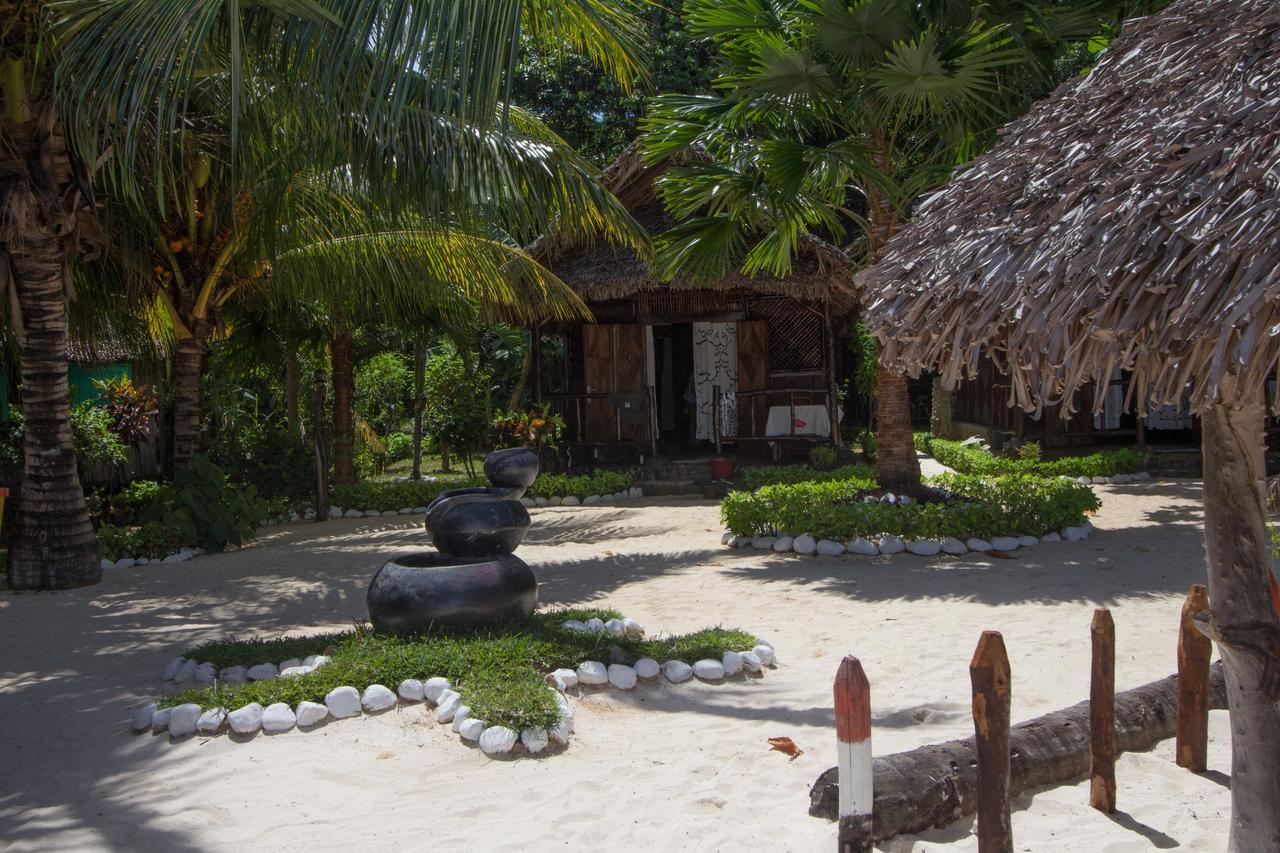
pixel 936 785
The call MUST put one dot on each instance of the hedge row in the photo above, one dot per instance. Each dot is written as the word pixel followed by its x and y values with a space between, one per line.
pixel 772 475
pixel 1010 504
pixel 968 459
pixel 383 496
pixel 597 483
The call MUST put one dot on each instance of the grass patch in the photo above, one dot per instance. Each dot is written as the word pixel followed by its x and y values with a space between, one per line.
pixel 499 670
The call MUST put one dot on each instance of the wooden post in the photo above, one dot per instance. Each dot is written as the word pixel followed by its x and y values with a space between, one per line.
pixel 1102 713
pixel 535 344
pixel 853 750
pixel 1194 651
pixel 715 416
pixel 989 674
pixel 833 408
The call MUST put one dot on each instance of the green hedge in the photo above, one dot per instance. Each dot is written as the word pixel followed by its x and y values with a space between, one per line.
pixel 968 459
pixel 772 475
pixel 996 506
pixel 597 483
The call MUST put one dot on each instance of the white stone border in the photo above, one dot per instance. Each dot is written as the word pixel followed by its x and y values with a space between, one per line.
pixel 888 544
pixel 186 720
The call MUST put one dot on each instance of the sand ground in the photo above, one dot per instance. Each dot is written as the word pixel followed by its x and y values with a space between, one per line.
pixel 662 768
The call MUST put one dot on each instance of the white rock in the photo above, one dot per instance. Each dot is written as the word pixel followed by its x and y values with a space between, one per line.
pixel 829 548
pixel 262 672
pixel 954 546
pixel 976 544
pixel 183 720
pixel 387 512
pixel 448 705
pixel 591 500
pixel 309 515
pixel 905 500
pixel 731 662
pixel 805 544
pixel 1142 475
pixel 106 565
pixel 353 513
pixel 142 561
pixel 1098 480
pixel 889 498
pixel 410 690
pixel 142 717
pixel 567 677
pixel 1051 536
pixel 160 720
pixel 180 557
pixel 1005 543
pixel 295 671
pixel 377 697
pixel 1027 541
pixel 677 671
pixel 1121 479
pixel 315 661
pixel 621 676
pixel 575 625
pixel 471 729
pixel 234 675
pixel 335 512
pixel 187 671
pixel 708 670
pixel 635 492
pixel 125 563
pixel 205 673
pixel 865 547
pixel 890 544
pixel 432 688
pixel 277 718
pixel 560 731
pixel 534 740
pixel 592 672
pixel 555 500
pixel 633 628
pixel 497 740
pixel 615 628
pixel 924 547
pixel 783 543
pixel 172 667
pixel 763 543
pixel 310 713
pixel 594 625
pixel 343 702
pixel 562 705
pixel 419 510
pixel 541 501
pixel 764 652
pixel 751 661
pixel 726 537
pixel 527 503
pixel 460 716
pixel 406 510
pixel 246 720
pixel 1074 534
pixel 647 668
pixel 212 721
pixel 870 499
pixel 570 500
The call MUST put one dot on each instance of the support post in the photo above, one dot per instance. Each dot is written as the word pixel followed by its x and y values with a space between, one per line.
pixel 715 415
pixel 1102 713
pixel 853 750
pixel 833 406
pixel 990 677
pixel 1194 651
pixel 535 344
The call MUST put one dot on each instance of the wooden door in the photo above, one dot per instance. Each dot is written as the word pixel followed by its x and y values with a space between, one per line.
pixel 615 363
pixel 597 368
pixel 753 375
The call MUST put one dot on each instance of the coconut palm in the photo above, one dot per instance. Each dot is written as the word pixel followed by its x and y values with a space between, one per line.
pixel 835 116
pixel 151 101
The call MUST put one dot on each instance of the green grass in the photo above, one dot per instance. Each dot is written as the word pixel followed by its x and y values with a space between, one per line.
pixel 499 671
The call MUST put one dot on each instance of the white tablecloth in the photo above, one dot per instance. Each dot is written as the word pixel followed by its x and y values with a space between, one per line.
pixel 810 420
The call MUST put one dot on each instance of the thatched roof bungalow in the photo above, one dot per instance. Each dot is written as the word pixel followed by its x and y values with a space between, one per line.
pixel 667 365
pixel 1132 220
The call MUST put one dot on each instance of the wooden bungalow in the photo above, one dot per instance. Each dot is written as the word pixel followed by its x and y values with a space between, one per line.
pixel 673 367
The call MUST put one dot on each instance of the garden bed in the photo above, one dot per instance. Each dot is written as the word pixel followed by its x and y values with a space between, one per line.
pixel 974 459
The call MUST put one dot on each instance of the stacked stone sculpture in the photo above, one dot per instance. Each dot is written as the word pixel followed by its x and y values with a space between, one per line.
pixel 472 578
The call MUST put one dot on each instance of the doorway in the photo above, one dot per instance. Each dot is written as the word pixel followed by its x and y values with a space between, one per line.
pixel 673 384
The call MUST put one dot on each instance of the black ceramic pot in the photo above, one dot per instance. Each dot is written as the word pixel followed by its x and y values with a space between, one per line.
pixel 512 468
pixel 477 523
pixel 412 594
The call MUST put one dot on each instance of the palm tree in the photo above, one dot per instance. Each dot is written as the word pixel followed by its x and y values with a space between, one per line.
pixel 107 86
pixel 835 116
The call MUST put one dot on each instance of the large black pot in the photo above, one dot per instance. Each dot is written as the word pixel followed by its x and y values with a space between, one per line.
pixel 417 592
pixel 477 522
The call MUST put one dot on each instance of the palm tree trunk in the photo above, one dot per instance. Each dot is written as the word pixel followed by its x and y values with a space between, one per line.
pixel 896 464
pixel 419 403
pixel 53 545
pixel 341 350
pixel 188 369
pixel 1244 617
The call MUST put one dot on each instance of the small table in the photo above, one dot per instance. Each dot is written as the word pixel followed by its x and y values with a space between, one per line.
pixel 811 420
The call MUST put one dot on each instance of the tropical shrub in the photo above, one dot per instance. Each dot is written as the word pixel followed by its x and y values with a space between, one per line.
pixel 822 458
pixel 980 506
pixel 93 438
pixel 125 506
pixel 130 407
pixel 970 459
pixel 152 540
pixel 525 429
pixel 399 446
pixel 263 453
pixel 381 390
pixel 597 483
pixel 769 475
pixel 206 507
pixel 456 396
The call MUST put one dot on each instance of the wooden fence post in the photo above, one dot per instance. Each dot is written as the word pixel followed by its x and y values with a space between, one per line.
pixel 989 673
pixel 1102 713
pixel 853 749
pixel 1194 651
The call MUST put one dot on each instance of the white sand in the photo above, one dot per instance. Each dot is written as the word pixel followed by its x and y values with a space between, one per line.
pixel 663 768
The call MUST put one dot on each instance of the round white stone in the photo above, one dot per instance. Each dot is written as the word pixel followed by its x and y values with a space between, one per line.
pixel 568 676
pixel 377 697
pixel 497 740
pixel 954 546
pixel 708 670
pixel 592 672
pixel 976 544
pixel 183 720
pixel 615 627
pixel 125 563
pixel 262 672
pixel 527 503
pixel 889 498
pixel 677 671
pixel 594 625
pixel 459 717
pixel 186 672
pixel 570 500
pixel 105 564
pixel 890 544
pixel 647 668
pixel 591 500
pixel 1100 480
pixel 160 720
pixel 471 728
pixel 1051 536
pixel 560 731
pixel 277 718
pixel 335 512
pixel 432 688
pixel 419 510
pixel 1027 541
pixel 924 547
pixel 732 663
pixel 205 673
pixel 621 676
pixel 725 537
pixel 290 663
pixel 212 721
pixel 343 702
pixel 764 652
pixel 142 561
pixel 172 667
pixel 246 720
pixel 353 513
pixel 751 661
pixel 534 740
pixel 1005 543
pixel 763 543
pixel 805 544
pixel 540 501
pixel 142 717
pixel 450 702
pixel 1074 534
pixel 555 500
pixel 410 690
pixel 783 543
pixel 829 548
pixel 861 546
pixel 310 713
pixel 633 628
pixel 406 510
pixel 234 675
pixel 575 625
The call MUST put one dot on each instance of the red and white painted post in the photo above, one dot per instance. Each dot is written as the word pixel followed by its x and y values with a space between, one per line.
pixel 853 749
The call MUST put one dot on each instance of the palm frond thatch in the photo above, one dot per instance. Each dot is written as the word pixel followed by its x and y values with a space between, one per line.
pixel 1131 220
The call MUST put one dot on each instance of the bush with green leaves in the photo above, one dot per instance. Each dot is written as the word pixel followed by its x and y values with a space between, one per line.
pixel 498 670
pixel 94 437
pixel 206 507
pixel 769 475
pixel 970 459
pixel 596 483
pixel 980 506
pixel 399 446
pixel 456 399
pixel 822 458
pixel 382 496
pixel 381 390
pixel 125 506
pixel 152 540
pixel 263 453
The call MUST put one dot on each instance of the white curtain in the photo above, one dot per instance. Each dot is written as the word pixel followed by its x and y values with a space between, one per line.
pixel 715 363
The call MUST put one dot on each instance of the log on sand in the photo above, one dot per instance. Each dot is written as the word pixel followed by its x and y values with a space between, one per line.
pixel 936 785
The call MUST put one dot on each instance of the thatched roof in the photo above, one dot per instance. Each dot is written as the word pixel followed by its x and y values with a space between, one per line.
pixel 599 272
pixel 1130 220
